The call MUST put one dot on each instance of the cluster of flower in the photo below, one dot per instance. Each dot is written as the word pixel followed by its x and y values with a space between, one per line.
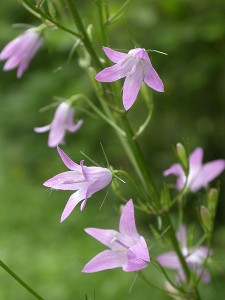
pixel 128 249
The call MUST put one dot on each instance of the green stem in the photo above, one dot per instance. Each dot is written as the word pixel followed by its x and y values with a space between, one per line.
pixel 41 15
pixel 85 37
pixel 102 21
pixel 18 279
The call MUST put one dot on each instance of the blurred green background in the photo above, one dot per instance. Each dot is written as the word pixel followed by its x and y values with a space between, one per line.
pixel 48 255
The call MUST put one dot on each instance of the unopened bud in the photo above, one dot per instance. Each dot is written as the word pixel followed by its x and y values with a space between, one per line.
pixel 212 200
pixel 206 218
pixel 182 156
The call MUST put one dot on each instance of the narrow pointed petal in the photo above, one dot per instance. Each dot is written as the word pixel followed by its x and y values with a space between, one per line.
pixel 26 59
pixel 10 48
pixel 113 55
pixel 105 236
pixel 105 260
pixel 176 170
pixel 208 173
pixel 195 159
pixel 70 126
pixel 140 249
pixel 132 86
pixel 42 129
pixel 67 161
pixel 115 72
pixel 169 260
pixel 134 263
pixel 74 127
pixel 127 222
pixel 72 202
pixel 56 136
pixel 66 181
pixel 198 255
pixel 152 79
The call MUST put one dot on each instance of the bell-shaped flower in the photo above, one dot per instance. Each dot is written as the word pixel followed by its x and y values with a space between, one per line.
pixel 84 180
pixel 195 258
pixel 136 67
pixel 199 174
pixel 62 122
pixel 20 51
pixel 127 248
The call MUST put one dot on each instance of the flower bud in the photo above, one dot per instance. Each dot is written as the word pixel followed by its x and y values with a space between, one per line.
pixel 212 200
pixel 205 218
pixel 182 156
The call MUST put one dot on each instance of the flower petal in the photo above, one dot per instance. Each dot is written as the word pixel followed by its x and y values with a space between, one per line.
pixel 152 79
pixel 105 236
pixel 113 55
pixel 134 263
pixel 70 126
pixel 127 222
pixel 176 170
pixel 195 159
pixel 72 202
pixel 58 129
pixel 208 173
pixel 140 249
pixel 132 86
pixel 42 129
pixel 107 259
pixel 115 72
pixel 66 181
pixel 169 260
pixel 67 161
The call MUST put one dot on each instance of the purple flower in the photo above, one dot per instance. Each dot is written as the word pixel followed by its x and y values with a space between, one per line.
pixel 21 50
pixel 194 257
pixel 127 248
pixel 62 122
pixel 136 67
pixel 84 180
pixel 199 174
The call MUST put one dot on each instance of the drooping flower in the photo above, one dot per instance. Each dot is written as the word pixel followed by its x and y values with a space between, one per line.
pixel 20 51
pixel 136 67
pixel 62 122
pixel 127 248
pixel 84 180
pixel 194 257
pixel 199 174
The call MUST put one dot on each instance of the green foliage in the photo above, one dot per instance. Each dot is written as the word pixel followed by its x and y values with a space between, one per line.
pixel 47 254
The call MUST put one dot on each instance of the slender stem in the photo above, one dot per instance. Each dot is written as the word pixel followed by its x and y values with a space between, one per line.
pixel 141 164
pixel 102 21
pixel 40 14
pixel 85 37
pixel 18 279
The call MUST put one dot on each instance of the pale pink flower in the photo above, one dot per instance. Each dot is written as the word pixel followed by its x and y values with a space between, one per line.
pixel 20 51
pixel 199 174
pixel 84 180
pixel 136 67
pixel 62 122
pixel 127 248
pixel 194 257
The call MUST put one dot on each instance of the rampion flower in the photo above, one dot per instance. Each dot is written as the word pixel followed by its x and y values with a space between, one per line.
pixel 199 174
pixel 21 50
pixel 127 248
pixel 136 67
pixel 62 122
pixel 84 180
pixel 194 257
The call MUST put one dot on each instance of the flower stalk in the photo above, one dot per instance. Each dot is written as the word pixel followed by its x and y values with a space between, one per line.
pixel 20 281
